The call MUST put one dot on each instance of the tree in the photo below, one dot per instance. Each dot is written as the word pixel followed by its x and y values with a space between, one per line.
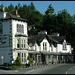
pixel 50 10
pixel 28 58
pixel 9 9
pixel 18 62
pixel 49 23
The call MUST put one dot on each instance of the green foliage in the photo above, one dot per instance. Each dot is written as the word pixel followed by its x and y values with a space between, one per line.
pixel 28 58
pixel 24 66
pixel 18 62
pixel 50 10
pixel 13 67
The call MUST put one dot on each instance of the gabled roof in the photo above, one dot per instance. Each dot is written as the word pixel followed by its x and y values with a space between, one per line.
pixel 51 39
pixel 36 38
pixel 60 39
pixel 10 16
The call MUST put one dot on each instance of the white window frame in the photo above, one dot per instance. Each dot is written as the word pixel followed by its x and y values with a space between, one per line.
pixel 64 46
pixel 44 46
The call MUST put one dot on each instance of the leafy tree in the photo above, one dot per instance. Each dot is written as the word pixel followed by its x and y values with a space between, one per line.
pixel 50 10
pixel 10 9
pixel 18 62
pixel 49 23
pixel 28 58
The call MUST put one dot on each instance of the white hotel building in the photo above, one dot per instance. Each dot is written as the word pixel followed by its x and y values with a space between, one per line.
pixel 15 41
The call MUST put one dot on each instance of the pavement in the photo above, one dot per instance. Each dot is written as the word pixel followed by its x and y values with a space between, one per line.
pixel 29 70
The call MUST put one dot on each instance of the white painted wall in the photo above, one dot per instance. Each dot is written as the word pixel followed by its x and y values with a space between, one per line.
pixel 54 49
pixel 41 44
pixel 59 47
pixel 14 26
pixel 14 30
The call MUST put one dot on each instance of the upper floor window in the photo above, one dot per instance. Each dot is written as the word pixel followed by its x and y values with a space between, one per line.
pixel 24 44
pixel 20 28
pixel 64 46
pixel 18 43
pixel 44 46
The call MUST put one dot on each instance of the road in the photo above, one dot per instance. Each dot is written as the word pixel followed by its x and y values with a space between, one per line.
pixel 49 69
pixel 57 69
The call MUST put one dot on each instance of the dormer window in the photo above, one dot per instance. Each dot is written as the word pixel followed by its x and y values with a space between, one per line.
pixel 44 46
pixel 64 46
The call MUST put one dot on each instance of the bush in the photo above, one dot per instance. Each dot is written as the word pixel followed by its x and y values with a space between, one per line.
pixel 28 58
pixel 13 67
pixel 24 66
pixel 18 62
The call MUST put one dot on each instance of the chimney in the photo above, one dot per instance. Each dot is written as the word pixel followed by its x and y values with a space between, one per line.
pixel 55 34
pixel 42 32
pixel 3 8
pixel 16 12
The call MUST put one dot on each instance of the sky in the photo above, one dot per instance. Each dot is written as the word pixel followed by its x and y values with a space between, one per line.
pixel 42 6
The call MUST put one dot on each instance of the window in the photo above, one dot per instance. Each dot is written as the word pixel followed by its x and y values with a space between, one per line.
pixel 19 54
pixel 64 46
pixel 24 44
pixel 20 28
pixel 23 57
pixel 18 43
pixel 44 46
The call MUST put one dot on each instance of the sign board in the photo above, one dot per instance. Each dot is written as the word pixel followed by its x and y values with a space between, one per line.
pixel 4 40
pixel 2 57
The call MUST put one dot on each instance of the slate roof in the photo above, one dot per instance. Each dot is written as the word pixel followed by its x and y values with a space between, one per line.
pixel 35 38
pixel 51 39
pixel 10 16
pixel 60 39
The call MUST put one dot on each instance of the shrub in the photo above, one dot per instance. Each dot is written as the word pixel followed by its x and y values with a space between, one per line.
pixel 13 67
pixel 18 62
pixel 28 58
pixel 24 66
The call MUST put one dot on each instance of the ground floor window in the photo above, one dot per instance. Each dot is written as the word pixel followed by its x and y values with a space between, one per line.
pixel 22 57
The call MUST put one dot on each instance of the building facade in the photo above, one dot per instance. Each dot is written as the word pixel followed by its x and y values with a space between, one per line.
pixel 14 41
pixel 13 38
pixel 53 47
